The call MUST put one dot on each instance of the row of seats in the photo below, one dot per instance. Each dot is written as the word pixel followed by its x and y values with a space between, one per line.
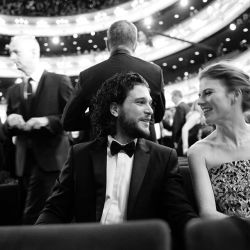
pixel 231 234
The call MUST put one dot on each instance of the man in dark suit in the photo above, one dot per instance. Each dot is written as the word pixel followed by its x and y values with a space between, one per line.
pixel 121 42
pixel 120 176
pixel 179 120
pixel 34 109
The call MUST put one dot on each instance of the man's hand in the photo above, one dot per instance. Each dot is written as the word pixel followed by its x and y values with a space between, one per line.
pixel 36 123
pixel 15 121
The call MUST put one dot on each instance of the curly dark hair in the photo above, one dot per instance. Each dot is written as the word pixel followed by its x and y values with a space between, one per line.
pixel 114 89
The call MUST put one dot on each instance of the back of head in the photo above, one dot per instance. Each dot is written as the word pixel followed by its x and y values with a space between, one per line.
pixel 122 34
pixel 28 42
pixel 177 93
pixel 233 78
pixel 113 90
pixel 176 96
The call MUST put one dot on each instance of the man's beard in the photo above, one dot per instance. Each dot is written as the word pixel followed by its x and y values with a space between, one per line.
pixel 130 127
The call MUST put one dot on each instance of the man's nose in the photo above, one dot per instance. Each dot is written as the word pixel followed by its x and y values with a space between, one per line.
pixel 149 109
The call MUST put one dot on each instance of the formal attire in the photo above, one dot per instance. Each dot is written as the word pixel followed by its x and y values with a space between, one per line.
pixel 155 187
pixel 40 153
pixel 74 117
pixel 179 120
pixel 230 183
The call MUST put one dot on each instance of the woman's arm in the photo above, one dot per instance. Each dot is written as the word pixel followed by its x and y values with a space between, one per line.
pixel 201 182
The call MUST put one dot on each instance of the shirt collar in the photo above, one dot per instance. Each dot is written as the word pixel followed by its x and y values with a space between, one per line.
pixel 110 139
pixel 37 74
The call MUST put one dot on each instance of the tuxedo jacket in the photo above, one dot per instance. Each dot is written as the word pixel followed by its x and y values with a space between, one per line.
pixel 155 188
pixel 91 79
pixel 50 144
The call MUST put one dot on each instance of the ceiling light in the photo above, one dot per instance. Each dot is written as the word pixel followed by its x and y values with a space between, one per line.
pixel 176 16
pixel 75 35
pixel 210 55
pixel 164 64
pixel 65 49
pixel 94 46
pixel 174 67
pixel 196 53
pixel 92 33
pixel 42 23
pixel 90 41
pixel 192 61
pixel 161 22
pixel 245 30
pixel 180 59
pixel 148 21
pixel 75 42
pixel 227 39
pixel 184 3
pixel 185 73
pixel 232 26
pixel 55 40
pixel 47 49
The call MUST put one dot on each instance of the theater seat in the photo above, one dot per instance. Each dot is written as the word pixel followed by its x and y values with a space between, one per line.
pixel 10 204
pixel 141 235
pixel 188 186
pixel 230 233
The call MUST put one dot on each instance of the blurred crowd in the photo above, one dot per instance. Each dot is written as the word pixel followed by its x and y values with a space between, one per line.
pixel 54 7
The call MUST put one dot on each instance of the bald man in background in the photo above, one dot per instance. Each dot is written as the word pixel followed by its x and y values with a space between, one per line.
pixel 34 109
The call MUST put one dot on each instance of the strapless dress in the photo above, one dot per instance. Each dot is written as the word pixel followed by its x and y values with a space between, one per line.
pixel 231 187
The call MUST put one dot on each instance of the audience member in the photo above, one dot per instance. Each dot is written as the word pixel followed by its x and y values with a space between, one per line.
pixel 179 120
pixel 34 109
pixel 220 163
pixel 166 134
pixel 120 176
pixel 55 7
pixel 190 129
pixel 121 42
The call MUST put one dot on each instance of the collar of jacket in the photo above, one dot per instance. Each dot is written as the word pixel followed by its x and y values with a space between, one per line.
pixel 120 51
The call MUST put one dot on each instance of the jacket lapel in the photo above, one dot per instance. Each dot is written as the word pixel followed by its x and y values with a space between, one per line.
pixel 99 159
pixel 140 165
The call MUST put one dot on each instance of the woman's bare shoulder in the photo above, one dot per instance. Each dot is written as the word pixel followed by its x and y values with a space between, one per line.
pixel 202 146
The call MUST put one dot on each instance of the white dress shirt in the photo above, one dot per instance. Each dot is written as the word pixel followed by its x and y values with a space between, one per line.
pixel 36 76
pixel 118 176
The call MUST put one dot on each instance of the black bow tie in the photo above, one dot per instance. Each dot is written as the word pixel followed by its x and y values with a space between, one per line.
pixel 129 148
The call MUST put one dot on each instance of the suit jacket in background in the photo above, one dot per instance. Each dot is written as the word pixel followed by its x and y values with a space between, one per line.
pixel 179 120
pixel 155 188
pixel 49 144
pixel 90 80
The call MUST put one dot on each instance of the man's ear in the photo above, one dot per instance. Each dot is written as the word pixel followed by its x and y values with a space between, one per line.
pixel 114 109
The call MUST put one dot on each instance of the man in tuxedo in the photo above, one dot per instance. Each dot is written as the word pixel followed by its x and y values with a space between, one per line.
pixel 120 175
pixel 121 43
pixel 34 109
pixel 181 110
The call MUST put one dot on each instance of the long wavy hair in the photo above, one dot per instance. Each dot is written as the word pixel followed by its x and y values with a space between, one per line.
pixel 114 89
